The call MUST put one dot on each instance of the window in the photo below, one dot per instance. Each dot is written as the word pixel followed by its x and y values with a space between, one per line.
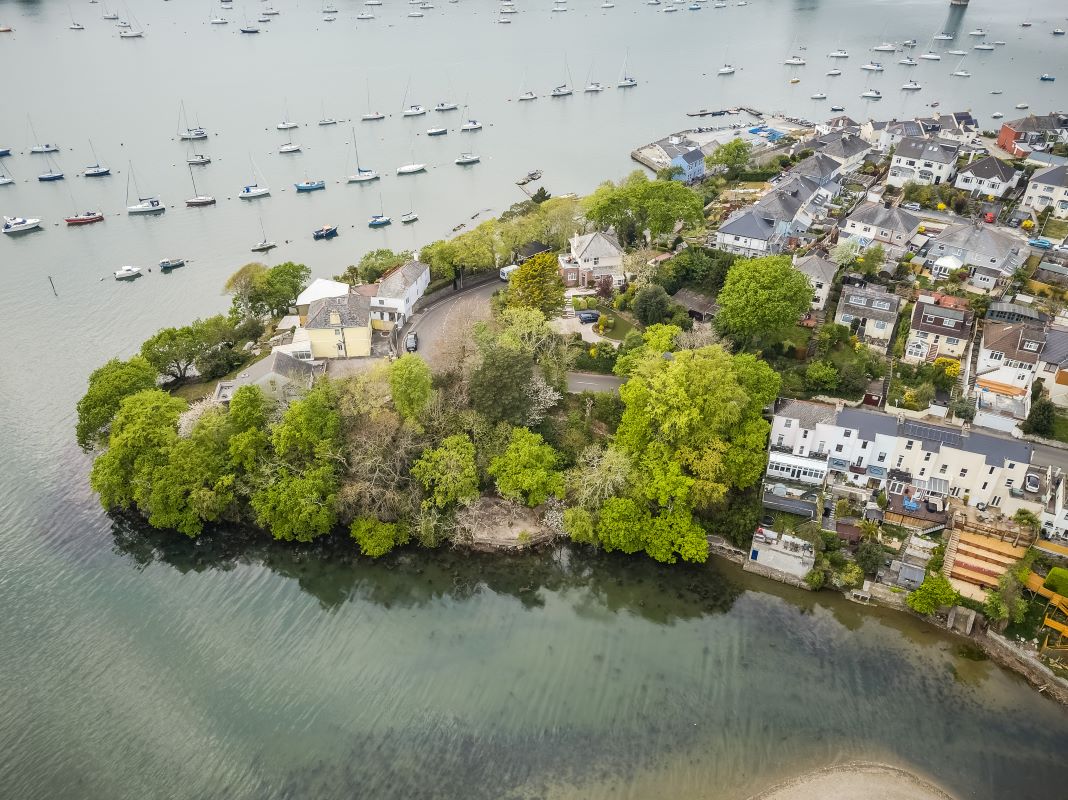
pixel 964 473
pixel 923 471
pixel 942 469
pixel 847 318
pixel 847 433
pixel 882 457
pixel 867 228
pixel 899 460
pixel 858 300
pixel 804 434
pixel 985 484
pixel 341 347
pixel 1032 346
pixel 951 341
pixel 954 492
pixel 838 448
pixel 991 471
pixel 337 331
pixel 881 304
pixel 948 323
pixel 788 423
pixel 863 445
pixel 995 501
pixel 819 284
pixel 911 162
pixel 1008 483
pixel 995 356
pixel 908 444
pixel 928 319
pixel 927 456
pixel 1012 465
pixel 880 325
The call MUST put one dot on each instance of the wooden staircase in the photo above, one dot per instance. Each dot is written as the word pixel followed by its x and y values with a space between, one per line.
pixel 951 552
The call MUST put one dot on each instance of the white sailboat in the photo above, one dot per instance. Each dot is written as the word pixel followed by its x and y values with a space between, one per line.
pixel 626 80
pixel 960 71
pixel 564 89
pixel 144 205
pixel 187 133
pixel 37 145
pixel 254 190
pixel 110 15
pixel 134 31
pixel 96 169
pixel 470 125
pixel 361 175
pixel 198 199
pixel 286 123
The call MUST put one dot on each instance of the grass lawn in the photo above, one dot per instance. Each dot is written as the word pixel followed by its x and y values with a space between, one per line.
pixel 194 390
pixel 1056 230
pixel 1060 427
pixel 622 327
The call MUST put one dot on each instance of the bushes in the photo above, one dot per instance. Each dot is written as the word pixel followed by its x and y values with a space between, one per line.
pixel 821 375
pixel 1057 580
pixel 1041 419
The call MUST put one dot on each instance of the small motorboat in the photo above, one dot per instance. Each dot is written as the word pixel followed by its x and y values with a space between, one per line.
pixel 694 6
pixel 193 133
pixel 794 61
pixel 44 148
pixel 253 190
pixel 909 43
pixel 943 37
pixel 726 69
pixel 5 151
pixel 200 200
pixel 365 15
pixel 983 46
pixel 445 105
pixel 956 52
pixel 995 91
pixel 413 111
pixel 270 12
pixel 467 158
pixel 85 218
pixel 795 80
pixel 325 232
pixel 166 264
pixel 1000 42
pixel 411 169
pixel 885 47
pixel 872 94
pixel 362 175
pixel 264 246
pixel 908 62
pixel 818 96
pixel 627 83
pixel 420 13
pixel 126 273
pixel 997 115
pixel 249 29
pixel 20 224
pixel 1021 106
pixel 5 179
pixel 1046 77
pixel 977 32
pixel 834 73
pixel 6 29
pixel 1058 31
pixel 147 205
pixel 436 131
pixel 198 160
pixel 1025 24
pixel 911 86
pixel 371 116
pixel 409 217
pixel 475 125
pixel 76 26
pixel 670 10
pixel 289 147
pixel 528 96
pixel 310 186
pixel 219 21
pixel 837 108
pixel 873 66
pixel 838 54
pixel 533 175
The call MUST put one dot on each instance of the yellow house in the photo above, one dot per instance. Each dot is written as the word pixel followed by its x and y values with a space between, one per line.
pixel 339 327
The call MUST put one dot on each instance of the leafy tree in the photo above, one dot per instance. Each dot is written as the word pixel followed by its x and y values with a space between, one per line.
pixel 651 304
pixel 821 375
pixel 537 284
pixel 578 524
pixel 540 196
pixel 620 525
pixel 669 173
pixel 870 556
pixel 527 469
pixel 142 435
pixel 600 473
pixel 606 287
pixel 377 538
pixel 109 385
pixel 873 259
pixel 448 472
pixel 258 290
pixel 244 286
pixel 1042 418
pixel 935 592
pixel 498 387
pixel 214 362
pixel 734 155
pixel 845 253
pixel 637 205
pixel 309 428
pixel 638 348
pixel 762 296
pixel 172 351
pixel 441 256
pixel 410 385
pixel 298 506
pixel 374 265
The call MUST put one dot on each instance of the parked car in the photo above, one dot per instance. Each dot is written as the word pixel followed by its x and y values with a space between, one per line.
pixel 1060 248
pixel 588 316
pixel 1041 244
pixel 912 206
pixel 411 342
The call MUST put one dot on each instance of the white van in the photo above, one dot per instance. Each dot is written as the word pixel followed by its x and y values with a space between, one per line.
pixel 506 272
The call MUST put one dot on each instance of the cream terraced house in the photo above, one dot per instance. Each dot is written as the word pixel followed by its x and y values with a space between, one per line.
pixel 1048 188
pixel 941 327
pixel 923 161
pixel 868 311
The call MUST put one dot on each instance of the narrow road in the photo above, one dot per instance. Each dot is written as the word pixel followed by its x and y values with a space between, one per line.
pixel 592 382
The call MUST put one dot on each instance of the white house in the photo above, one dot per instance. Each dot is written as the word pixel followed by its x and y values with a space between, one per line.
pixel 1048 188
pixel 592 256
pixel 987 176
pixel 820 273
pixel 393 301
pixel 941 327
pixel 1005 372
pixel 923 161
pixel 873 222
pixel 869 311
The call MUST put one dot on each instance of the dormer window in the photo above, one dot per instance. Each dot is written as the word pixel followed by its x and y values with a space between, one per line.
pixel 1032 346
pixel 881 304
pixel 857 300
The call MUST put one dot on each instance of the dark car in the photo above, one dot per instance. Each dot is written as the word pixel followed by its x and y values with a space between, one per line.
pixel 411 342
pixel 588 316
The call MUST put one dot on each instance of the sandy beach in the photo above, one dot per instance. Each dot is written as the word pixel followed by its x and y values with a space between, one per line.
pixel 855 781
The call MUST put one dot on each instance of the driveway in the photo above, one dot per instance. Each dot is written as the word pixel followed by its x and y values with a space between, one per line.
pixel 592 382
pixel 567 325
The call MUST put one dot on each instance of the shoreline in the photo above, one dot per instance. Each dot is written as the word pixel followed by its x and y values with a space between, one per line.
pixel 874 780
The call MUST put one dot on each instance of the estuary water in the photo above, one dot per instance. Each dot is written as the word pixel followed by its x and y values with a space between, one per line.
pixel 135 664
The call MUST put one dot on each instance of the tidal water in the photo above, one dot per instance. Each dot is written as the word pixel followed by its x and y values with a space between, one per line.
pixel 136 664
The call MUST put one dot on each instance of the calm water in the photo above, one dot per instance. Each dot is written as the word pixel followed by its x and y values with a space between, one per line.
pixel 134 667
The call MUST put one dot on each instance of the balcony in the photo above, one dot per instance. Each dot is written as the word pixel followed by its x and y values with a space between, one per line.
pixel 819 455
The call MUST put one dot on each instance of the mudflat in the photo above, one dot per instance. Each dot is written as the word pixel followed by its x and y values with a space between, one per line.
pixel 853 781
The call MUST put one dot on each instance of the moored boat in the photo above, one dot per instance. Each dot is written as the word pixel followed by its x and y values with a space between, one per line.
pixel 20 224
pixel 310 186
pixel 254 190
pixel 378 221
pixel 126 273
pixel 411 169
pixel 437 131
pixel 471 125
pixel 289 147
pixel 533 175
pixel 408 217
pixel 325 232
pixel 264 246
pixel 85 218
pixel 467 158
pixel 198 160
pixel 171 263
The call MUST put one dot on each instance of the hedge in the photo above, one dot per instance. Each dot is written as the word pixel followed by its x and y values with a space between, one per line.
pixel 1057 580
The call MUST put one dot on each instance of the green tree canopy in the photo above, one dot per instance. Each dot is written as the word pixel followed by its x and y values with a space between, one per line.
pixel 258 290
pixel 761 298
pixel 410 385
pixel 448 472
pixel 298 506
pixel 376 538
pixel 638 204
pixel 374 265
pixel 528 469
pixel 734 155
pixel 536 284
pixel 500 385
pixel 652 304
pixel 935 592
pixel 109 385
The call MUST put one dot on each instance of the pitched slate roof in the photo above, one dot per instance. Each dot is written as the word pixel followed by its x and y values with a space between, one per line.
pixel 816 166
pixel 905 127
pixel 989 168
pixel 354 311
pixel 750 222
pixel 595 245
pixel 808 414
pixel 1008 338
pixel 817 268
pixel 1056 349
pixel 977 238
pixel 869 295
pixel 961 320
pixel 891 219
pixel 940 150
pixel 1034 123
pixel 396 283
pixel 1054 176
pixel 841 145
pixel 693 156
pixel 785 200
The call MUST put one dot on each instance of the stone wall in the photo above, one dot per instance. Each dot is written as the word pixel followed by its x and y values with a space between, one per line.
pixel 775 574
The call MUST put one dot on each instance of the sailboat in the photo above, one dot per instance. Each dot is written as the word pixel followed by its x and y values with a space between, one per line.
pixel 74 26
pixel 286 123
pixel 412 168
pixel 96 169
pixel 564 89
pixel 52 175
pixel 198 199
pixel 132 31
pixel 361 175
pixel 112 15
pixel 409 216
pixel 592 85
pixel 85 218
pixel 371 116
pixel 144 205
pixel 325 120
pixel 264 245
pixel 626 81
pixel 38 147
pixel 254 190
pixel 5 179
pixel 471 125
pixel 379 220
pixel 960 72
pixel 415 110
pixel 189 134
pixel 467 158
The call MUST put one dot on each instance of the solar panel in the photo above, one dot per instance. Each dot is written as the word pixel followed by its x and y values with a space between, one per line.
pixel 943 435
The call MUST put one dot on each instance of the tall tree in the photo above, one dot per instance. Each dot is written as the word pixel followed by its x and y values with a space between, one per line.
pixel 373 265
pixel 528 469
pixel 109 385
pixel 448 472
pixel 761 297
pixel 733 155
pixel 637 205
pixel 410 385
pixel 376 538
pixel 537 284
pixel 499 386
pixel 652 304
